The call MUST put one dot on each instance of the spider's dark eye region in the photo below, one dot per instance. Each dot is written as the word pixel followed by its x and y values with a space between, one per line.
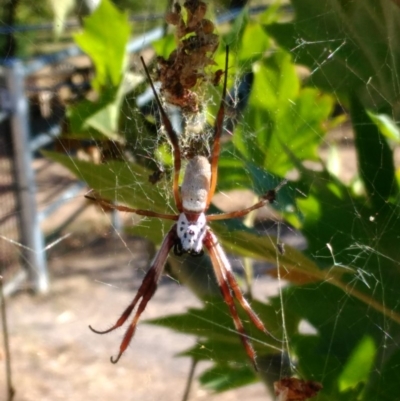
pixel 196 254
pixel 179 251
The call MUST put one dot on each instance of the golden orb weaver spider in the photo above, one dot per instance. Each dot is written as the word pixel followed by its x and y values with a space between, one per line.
pixel 191 233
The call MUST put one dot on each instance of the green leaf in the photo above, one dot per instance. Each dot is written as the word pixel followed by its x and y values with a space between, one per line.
pixel 340 322
pixel 96 120
pixel 150 228
pixel 221 378
pixel 375 158
pixel 263 181
pixel 346 46
pixel 104 39
pixel 385 384
pixel 386 125
pixel 217 338
pixel 359 365
pixel 121 181
pixel 100 119
pixel 231 171
pixel 254 43
pixel 106 45
pixel 282 120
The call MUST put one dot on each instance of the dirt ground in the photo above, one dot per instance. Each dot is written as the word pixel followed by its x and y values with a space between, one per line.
pixel 56 357
pixel 94 275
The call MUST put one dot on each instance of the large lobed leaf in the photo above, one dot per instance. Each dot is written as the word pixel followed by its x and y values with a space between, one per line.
pixel 120 181
pixel 105 44
pixel 281 117
pixel 349 46
pixel 104 39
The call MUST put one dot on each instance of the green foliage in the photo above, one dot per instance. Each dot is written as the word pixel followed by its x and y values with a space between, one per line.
pixel 282 120
pixel 349 46
pixel 105 44
pixel 117 180
pixel 222 346
pixel 359 364
pixel 104 39
pixel 345 283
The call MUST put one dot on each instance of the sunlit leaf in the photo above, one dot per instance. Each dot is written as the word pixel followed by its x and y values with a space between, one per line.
pixel 104 39
pixel 281 117
pixel 386 125
pixel 254 42
pixel 359 365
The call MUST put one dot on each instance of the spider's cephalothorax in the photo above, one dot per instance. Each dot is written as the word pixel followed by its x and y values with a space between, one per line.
pixel 190 233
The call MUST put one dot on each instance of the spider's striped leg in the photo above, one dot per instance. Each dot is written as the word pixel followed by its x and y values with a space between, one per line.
pixel 149 213
pixel 233 284
pixel 145 293
pixel 215 250
pixel 173 137
pixel 219 121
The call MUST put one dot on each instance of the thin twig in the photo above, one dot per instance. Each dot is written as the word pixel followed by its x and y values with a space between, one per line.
pixel 10 388
pixel 190 379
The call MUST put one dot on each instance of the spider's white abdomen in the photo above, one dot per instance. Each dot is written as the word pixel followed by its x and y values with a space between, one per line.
pixel 191 233
pixel 196 184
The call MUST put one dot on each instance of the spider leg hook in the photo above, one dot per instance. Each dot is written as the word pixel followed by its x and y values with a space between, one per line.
pixel 115 360
pixel 101 331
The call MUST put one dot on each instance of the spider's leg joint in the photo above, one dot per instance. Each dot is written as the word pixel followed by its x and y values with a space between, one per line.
pixel 270 196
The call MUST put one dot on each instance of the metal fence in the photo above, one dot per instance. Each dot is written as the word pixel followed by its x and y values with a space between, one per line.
pixel 22 241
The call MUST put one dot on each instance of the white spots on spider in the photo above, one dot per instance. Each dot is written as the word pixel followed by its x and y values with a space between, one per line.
pixel 191 233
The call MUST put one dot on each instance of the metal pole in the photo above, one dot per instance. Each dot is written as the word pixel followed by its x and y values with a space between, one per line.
pixel 33 256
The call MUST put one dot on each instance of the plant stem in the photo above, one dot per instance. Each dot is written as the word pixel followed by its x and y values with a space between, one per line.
pixel 190 379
